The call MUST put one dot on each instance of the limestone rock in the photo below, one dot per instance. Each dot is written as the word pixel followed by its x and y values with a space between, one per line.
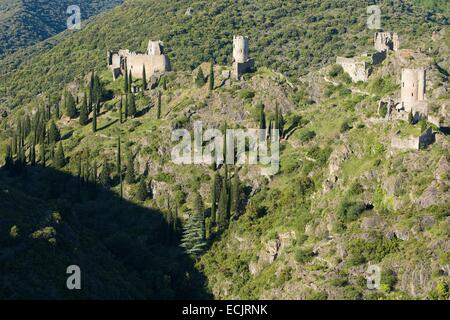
pixel 369 223
pixel 427 222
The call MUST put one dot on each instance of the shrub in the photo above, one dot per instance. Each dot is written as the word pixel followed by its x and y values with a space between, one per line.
pixel 345 126
pixel 388 280
pixel 246 94
pixel 307 136
pixel 349 211
pixel 383 111
pixel 303 256
pixel 336 69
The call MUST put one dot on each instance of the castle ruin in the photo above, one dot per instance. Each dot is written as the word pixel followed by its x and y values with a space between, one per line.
pixel 241 61
pixel 154 61
pixel 359 68
pixel 386 41
pixel 413 87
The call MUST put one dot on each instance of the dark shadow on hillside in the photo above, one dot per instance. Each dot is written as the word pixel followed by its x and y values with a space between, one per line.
pixel 124 251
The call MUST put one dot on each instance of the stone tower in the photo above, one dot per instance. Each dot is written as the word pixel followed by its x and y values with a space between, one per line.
pixel 241 61
pixel 413 87
pixel 240 49
pixel 155 48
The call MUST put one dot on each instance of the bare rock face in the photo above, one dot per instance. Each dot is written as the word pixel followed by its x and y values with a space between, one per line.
pixel 442 169
pixel 427 222
pixel 270 251
pixel 416 280
pixel 337 157
pixel 160 189
pixel 432 196
pixel 393 184
pixel 401 234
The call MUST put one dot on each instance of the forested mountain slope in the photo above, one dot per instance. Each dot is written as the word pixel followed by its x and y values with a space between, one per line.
pixel 26 22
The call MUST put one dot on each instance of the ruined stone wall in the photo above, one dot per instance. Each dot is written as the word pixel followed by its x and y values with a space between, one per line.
pixel 386 41
pixel 154 60
pixel 408 143
pixel 357 70
pixel 153 64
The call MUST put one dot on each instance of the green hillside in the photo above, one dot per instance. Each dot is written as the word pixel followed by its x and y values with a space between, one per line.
pixel 26 22
pixel 87 177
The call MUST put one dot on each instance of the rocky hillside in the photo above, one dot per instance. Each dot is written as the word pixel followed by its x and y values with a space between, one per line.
pixel 344 199
pixel 26 22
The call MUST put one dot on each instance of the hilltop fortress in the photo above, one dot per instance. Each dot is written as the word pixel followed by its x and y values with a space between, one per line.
pixel 359 68
pixel 154 61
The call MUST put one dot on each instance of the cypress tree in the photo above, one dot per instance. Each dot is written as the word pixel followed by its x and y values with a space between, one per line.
pixel 119 159
pixel 211 77
pixel 410 118
pixel 125 86
pixel 14 144
pixel 59 158
pixel 126 106
pixel 33 153
pixel 164 83
pixel 132 109
pixel 159 106
pixel 235 194
pixel 215 190
pixel 262 117
pixel 200 79
pixel 222 209
pixel 84 118
pixel 130 82
pixel 53 133
pixel 119 167
pixel 94 117
pixel 57 111
pixel 199 209
pixel 70 107
pixel 144 78
pixel 121 109
pixel 26 126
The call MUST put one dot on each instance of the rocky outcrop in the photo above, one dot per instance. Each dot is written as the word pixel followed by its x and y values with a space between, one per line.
pixel 271 251
pixel 337 157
